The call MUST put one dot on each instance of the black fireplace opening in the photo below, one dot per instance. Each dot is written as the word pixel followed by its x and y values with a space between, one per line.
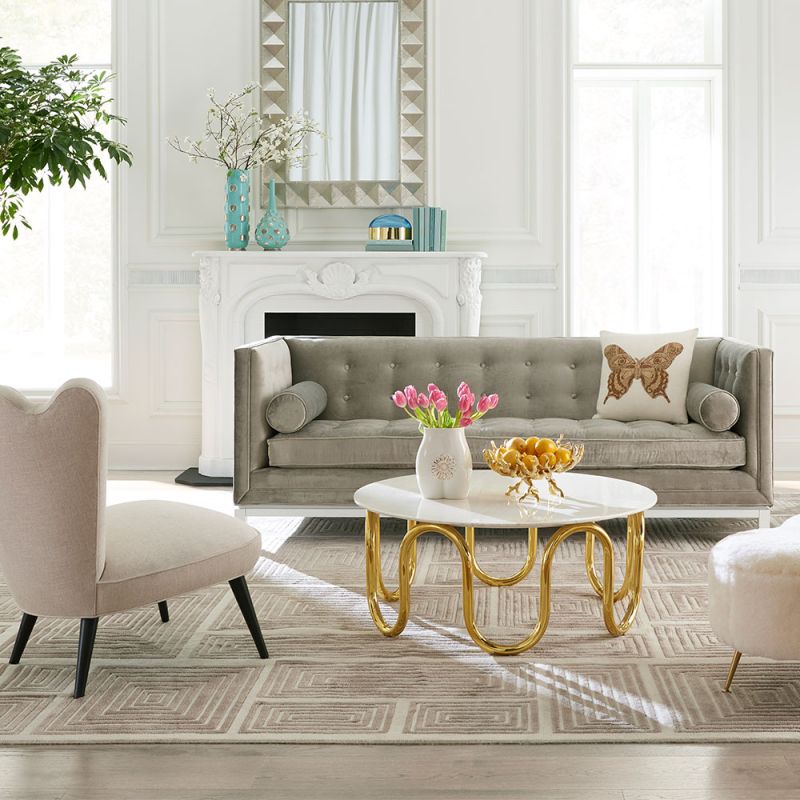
pixel 327 323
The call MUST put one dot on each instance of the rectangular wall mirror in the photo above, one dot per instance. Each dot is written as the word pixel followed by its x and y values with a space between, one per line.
pixel 358 68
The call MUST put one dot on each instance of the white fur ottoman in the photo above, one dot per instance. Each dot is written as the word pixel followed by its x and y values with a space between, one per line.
pixel 754 593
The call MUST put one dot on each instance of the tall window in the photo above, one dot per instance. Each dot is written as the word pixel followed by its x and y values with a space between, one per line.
pixel 646 199
pixel 56 280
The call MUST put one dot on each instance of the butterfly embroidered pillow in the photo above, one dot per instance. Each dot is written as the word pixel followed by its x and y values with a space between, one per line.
pixel 645 376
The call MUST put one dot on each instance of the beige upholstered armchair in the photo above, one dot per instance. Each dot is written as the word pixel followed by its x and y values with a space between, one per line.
pixel 64 554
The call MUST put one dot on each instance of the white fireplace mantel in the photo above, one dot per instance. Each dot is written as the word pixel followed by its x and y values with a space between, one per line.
pixel 237 288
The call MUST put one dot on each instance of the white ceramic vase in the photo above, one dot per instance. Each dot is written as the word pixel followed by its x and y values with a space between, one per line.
pixel 444 464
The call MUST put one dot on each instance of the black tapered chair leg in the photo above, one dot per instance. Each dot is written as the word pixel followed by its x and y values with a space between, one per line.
pixel 242 595
pixel 163 610
pixel 23 634
pixel 85 647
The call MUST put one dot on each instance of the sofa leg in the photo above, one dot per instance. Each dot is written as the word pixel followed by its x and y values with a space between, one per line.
pixel 732 671
pixel 764 518
pixel 23 634
pixel 85 648
pixel 163 610
pixel 240 512
pixel 242 595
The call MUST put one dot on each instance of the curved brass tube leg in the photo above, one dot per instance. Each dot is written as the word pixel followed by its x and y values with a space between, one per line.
pixel 464 545
pixel 634 556
pixel 545 585
pixel 732 670
pixel 372 541
pixel 391 596
pixel 527 567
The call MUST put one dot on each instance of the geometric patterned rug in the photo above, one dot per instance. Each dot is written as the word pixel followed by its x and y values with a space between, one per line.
pixel 332 678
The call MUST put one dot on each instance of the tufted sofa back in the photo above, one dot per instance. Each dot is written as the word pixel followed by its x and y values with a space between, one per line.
pixel 535 378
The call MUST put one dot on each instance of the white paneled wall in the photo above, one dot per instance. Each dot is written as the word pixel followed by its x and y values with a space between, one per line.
pixel 765 199
pixel 496 141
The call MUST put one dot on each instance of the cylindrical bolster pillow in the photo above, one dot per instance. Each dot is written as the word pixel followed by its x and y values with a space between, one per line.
pixel 293 408
pixel 714 408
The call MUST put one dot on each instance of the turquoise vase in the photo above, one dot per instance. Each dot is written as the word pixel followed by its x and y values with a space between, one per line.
pixel 272 232
pixel 237 209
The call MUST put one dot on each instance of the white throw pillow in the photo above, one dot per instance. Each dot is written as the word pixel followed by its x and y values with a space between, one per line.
pixel 645 376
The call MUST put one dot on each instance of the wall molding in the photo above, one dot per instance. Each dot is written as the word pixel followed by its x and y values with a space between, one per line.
pixel 524 325
pixel 120 187
pixel 787 455
pixel 532 168
pixel 512 277
pixel 763 278
pixel 515 277
pixel 161 232
pixel 768 229
pixel 768 324
pixel 158 323
pixel 142 278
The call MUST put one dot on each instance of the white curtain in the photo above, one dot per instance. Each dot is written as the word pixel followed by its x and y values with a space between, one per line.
pixel 344 71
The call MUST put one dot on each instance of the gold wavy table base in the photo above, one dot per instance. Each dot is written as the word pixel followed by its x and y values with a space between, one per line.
pixel 628 593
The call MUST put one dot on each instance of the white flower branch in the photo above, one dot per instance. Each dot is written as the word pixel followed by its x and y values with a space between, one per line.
pixel 236 138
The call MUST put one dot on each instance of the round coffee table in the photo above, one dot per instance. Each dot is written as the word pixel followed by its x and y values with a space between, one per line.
pixel 588 500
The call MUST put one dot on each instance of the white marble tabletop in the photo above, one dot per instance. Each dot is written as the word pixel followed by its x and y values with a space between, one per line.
pixel 588 498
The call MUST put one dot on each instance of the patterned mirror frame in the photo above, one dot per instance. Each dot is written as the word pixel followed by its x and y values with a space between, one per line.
pixel 410 190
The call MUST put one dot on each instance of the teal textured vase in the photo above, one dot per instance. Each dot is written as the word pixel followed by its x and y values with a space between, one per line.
pixel 272 232
pixel 237 209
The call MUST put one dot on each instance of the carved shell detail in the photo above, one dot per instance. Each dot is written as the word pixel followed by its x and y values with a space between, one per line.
pixel 337 274
pixel 443 467
pixel 337 280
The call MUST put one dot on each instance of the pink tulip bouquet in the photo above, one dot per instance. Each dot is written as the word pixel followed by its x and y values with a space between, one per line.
pixel 431 411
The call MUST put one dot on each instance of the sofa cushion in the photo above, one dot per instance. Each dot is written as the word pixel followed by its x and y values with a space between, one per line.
pixel 293 408
pixel 609 444
pixel 713 408
pixel 645 376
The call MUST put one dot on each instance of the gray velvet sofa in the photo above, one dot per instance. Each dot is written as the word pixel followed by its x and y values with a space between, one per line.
pixel 546 386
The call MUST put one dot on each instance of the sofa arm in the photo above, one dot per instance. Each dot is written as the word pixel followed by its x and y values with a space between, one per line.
pixel 745 371
pixel 261 370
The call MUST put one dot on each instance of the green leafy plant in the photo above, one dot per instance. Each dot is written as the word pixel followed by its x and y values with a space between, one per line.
pixel 50 121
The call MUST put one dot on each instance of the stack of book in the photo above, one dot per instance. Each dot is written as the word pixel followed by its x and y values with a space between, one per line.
pixel 429 228
pixel 389 245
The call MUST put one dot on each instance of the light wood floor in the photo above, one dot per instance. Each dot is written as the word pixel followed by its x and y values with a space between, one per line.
pixel 389 772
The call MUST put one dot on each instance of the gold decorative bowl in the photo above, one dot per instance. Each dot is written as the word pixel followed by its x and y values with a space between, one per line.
pixel 531 460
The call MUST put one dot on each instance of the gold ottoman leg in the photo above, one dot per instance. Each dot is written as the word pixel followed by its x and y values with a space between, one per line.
pixel 732 670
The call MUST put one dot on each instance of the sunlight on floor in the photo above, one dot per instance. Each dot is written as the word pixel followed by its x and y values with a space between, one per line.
pixel 125 487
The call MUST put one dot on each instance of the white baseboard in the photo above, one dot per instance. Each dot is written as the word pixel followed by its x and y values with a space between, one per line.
pixel 152 455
